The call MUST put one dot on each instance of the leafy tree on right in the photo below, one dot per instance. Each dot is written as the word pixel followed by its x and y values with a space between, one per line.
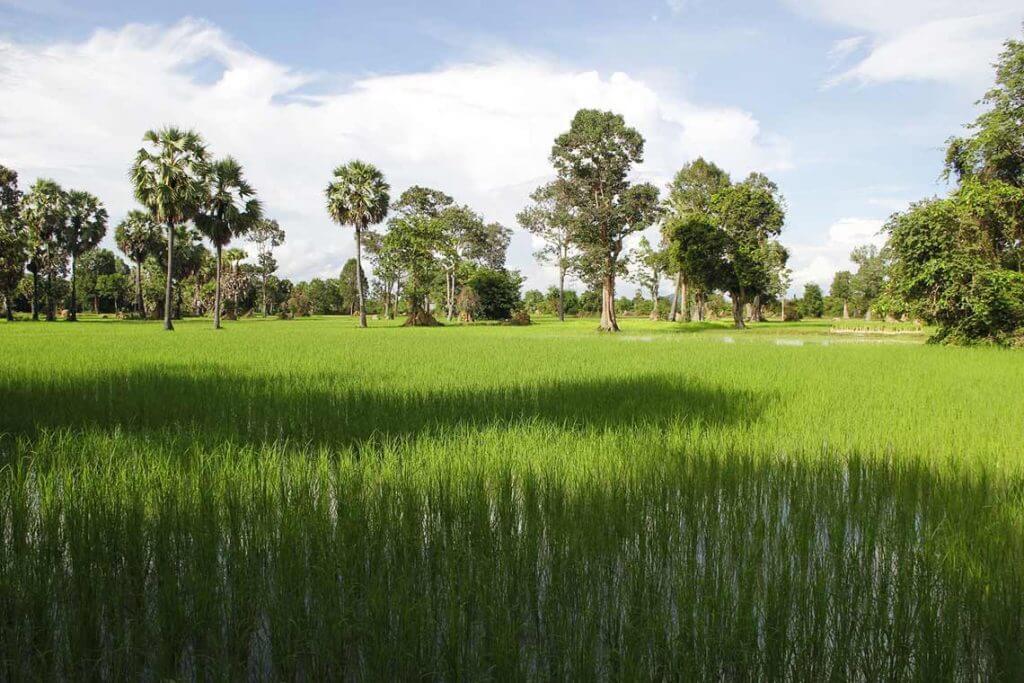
pixel 959 261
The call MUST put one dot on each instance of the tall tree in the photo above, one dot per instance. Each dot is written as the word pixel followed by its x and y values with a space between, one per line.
pixel 44 211
pixel 13 238
pixel 550 220
pixel 230 210
pixel 467 239
pixel 592 161
pixel 813 303
pixel 358 196
pixel 138 236
pixel 93 265
pixel 690 195
pixel 85 226
pixel 170 180
pixel 868 281
pixel 842 290
pixel 647 266
pixel 238 279
pixel 959 261
pixel 412 241
pixel 697 248
pixel 390 263
pixel 348 288
pixel 750 213
pixel 266 234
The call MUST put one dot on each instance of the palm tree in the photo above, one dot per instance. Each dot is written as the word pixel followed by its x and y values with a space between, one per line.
pixel 359 197
pixel 169 180
pixel 235 257
pixel 44 211
pixel 230 211
pixel 138 236
pixel 85 226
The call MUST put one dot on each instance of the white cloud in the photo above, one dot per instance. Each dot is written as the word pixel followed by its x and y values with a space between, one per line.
pixel 819 262
pixel 482 132
pixel 949 41
pixel 841 49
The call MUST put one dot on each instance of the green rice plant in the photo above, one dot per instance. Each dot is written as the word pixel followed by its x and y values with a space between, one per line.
pixel 304 499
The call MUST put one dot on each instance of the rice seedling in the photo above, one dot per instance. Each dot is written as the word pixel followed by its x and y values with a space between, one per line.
pixel 304 499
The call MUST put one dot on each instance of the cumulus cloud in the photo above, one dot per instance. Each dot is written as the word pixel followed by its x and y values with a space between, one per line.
pixel 819 262
pixel 948 41
pixel 480 131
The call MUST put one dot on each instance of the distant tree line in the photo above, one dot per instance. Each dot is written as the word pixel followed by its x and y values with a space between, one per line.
pixel 955 262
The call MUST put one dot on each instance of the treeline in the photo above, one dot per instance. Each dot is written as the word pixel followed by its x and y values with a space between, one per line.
pixel 435 255
pixel 956 262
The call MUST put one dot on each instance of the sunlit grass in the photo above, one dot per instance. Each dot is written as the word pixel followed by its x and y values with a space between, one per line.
pixel 287 499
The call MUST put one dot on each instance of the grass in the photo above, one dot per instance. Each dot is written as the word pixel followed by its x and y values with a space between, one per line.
pixel 303 499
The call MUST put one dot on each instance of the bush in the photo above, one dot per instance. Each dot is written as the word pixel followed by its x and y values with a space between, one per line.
pixel 497 292
pixel 520 317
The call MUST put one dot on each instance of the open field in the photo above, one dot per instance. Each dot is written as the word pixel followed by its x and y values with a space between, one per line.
pixel 304 499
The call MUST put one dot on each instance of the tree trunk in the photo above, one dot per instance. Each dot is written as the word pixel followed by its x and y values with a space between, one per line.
pixel 9 307
pixel 216 293
pixel 673 311
pixel 608 321
pixel 96 303
pixel 755 310
pixel 73 309
pixel 264 295
pixel 700 306
pixel 169 288
pixel 561 293
pixel 846 310
pixel 359 276
pixel 684 302
pixel 140 306
pixel 51 307
pixel 35 294
pixel 654 301
pixel 783 309
pixel 737 310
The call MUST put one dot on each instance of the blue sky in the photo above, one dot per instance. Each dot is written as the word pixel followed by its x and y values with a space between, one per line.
pixel 845 104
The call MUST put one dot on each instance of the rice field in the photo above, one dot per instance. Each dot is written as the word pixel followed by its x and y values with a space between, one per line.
pixel 306 500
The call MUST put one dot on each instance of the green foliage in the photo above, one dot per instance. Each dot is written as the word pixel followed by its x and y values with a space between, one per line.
pixel 750 213
pixel 230 209
pixel 534 300
pixel 411 241
pixel 550 220
pixel 14 239
pixel 812 305
pixel 170 181
pixel 691 192
pixel 358 196
pixel 647 268
pixel 92 267
pixel 138 236
pixel 592 161
pixel 697 248
pixel 496 291
pixel 959 261
pixel 266 234
pixel 995 149
pixel 348 289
